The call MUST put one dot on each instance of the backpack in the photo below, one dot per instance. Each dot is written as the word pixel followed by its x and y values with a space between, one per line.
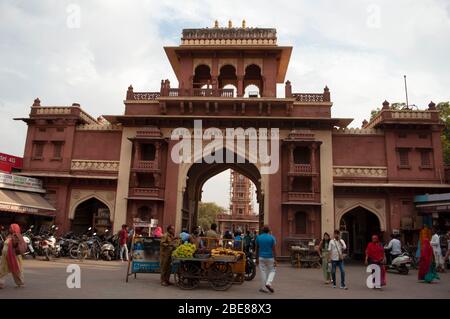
pixel 19 244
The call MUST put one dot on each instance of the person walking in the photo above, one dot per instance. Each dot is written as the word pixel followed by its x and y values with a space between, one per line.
pixel 323 253
pixel 336 256
pixel 11 262
pixel 375 255
pixel 437 252
pixel 427 266
pixel 167 245
pixel 123 242
pixel 266 259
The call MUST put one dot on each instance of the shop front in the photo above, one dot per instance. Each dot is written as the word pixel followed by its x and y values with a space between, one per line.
pixel 22 202
pixel 435 210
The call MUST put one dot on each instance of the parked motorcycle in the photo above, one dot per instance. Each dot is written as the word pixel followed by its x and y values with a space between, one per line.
pixel 107 250
pixel 250 265
pixel 27 237
pixel 48 244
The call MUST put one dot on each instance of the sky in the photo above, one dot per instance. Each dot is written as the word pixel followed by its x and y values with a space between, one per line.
pixel 89 52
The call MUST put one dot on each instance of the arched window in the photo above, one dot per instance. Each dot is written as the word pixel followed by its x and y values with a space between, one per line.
pixel 253 77
pixel 302 155
pixel 251 91
pixel 231 87
pixel 227 75
pixel 300 223
pixel 148 152
pixel 202 75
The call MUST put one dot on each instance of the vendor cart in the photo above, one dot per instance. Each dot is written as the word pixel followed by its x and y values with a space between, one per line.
pixel 218 272
pixel 304 255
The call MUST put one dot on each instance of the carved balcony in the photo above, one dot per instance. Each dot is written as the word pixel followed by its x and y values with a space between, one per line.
pixel 303 197
pixel 145 192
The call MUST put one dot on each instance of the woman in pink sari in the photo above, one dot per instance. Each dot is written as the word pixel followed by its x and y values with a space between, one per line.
pixel 375 255
pixel 158 232
pixel 11 257
pixel 427 266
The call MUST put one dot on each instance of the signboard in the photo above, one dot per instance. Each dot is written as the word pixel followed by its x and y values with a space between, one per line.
pixel 20 182
pixel 10 161
pixel 145 255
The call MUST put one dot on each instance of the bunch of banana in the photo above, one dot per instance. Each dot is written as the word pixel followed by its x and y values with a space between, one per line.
pixel 226 252
pixel 186 250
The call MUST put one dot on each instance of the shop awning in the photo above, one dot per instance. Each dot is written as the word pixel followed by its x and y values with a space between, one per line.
pixel 25 203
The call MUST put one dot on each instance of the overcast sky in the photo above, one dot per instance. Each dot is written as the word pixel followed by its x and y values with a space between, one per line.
pixel 90 51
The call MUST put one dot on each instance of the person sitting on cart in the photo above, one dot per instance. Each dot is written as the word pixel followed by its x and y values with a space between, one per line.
pixel 237 240
pixel 212 237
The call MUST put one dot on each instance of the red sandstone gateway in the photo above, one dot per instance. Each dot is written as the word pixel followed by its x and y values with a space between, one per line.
pixel 361 180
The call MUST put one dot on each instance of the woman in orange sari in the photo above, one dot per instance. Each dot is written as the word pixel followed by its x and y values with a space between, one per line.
pixel 11 259
pixel 375 255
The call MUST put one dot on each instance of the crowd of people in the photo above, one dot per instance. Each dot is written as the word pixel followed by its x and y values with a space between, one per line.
pixel 332 252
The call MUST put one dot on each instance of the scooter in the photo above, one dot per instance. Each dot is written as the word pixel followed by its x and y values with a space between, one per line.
pixel 400 264
pixel 49 246
pixel 107 250
pixel 27 238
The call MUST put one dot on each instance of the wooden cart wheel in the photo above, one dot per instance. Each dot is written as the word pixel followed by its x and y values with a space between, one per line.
pixel 187 275
pixel 220 276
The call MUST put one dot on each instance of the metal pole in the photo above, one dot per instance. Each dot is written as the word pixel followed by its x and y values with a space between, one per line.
pixel 406 91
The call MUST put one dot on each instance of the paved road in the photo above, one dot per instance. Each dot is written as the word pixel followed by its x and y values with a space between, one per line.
pixel 101 279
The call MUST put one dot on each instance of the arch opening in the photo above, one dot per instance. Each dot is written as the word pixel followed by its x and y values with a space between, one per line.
pixel 357 227
pixel 91 213
pixel 202 76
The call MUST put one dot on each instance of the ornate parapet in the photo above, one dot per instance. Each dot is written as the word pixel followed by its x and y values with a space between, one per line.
pixel 92 165
pixel 309 97
pixel 229 36
pixel 357 131
pixel 99 127
pixel 360 171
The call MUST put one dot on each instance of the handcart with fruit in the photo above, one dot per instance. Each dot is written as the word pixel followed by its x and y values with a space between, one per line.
pixel 216 264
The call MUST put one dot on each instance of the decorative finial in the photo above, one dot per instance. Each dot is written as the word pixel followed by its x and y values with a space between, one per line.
pixel 385 105
pixel 130 88
pixel 37 102
pixel 243 24
pixel 230 24
pixel 364 123
pixel 326 89
pixel 432 106
pixel 216 24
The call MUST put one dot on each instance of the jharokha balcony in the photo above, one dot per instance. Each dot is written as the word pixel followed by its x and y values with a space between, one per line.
pixel 146 165
pixel 152 192
pixel 303 197
pixel 302 168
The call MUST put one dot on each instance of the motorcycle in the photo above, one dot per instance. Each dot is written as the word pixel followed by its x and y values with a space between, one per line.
pixel 400 264
pixel 49 246
pixel 250 265
pixel 107 251
pixel 27 237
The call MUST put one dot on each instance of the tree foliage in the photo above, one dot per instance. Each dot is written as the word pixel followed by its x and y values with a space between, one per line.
pixel 207 214
pixel 444 113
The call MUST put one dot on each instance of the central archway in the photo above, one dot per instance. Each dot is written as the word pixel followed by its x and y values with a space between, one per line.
pixel 201 172
pixel 357 226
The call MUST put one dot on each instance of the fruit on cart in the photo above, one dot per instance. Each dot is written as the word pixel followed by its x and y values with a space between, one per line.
pixel 217 252
pixel 186 250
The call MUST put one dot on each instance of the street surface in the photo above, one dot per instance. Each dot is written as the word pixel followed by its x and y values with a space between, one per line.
pixel 101 279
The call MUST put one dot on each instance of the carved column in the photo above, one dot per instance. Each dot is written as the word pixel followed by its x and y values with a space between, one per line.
pixel 137 153
pixel 240 85
pixel 157 179
pixel 291 157
pixel 291 180
pixel 157 153
pixel 290 221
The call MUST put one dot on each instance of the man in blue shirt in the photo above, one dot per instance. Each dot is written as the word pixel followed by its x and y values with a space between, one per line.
pixel 265 258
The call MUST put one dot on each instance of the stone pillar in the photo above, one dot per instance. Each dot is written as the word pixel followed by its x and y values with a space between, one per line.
pixel 157 154
pixel 240 85
pixel 291 157
pixel 290 222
